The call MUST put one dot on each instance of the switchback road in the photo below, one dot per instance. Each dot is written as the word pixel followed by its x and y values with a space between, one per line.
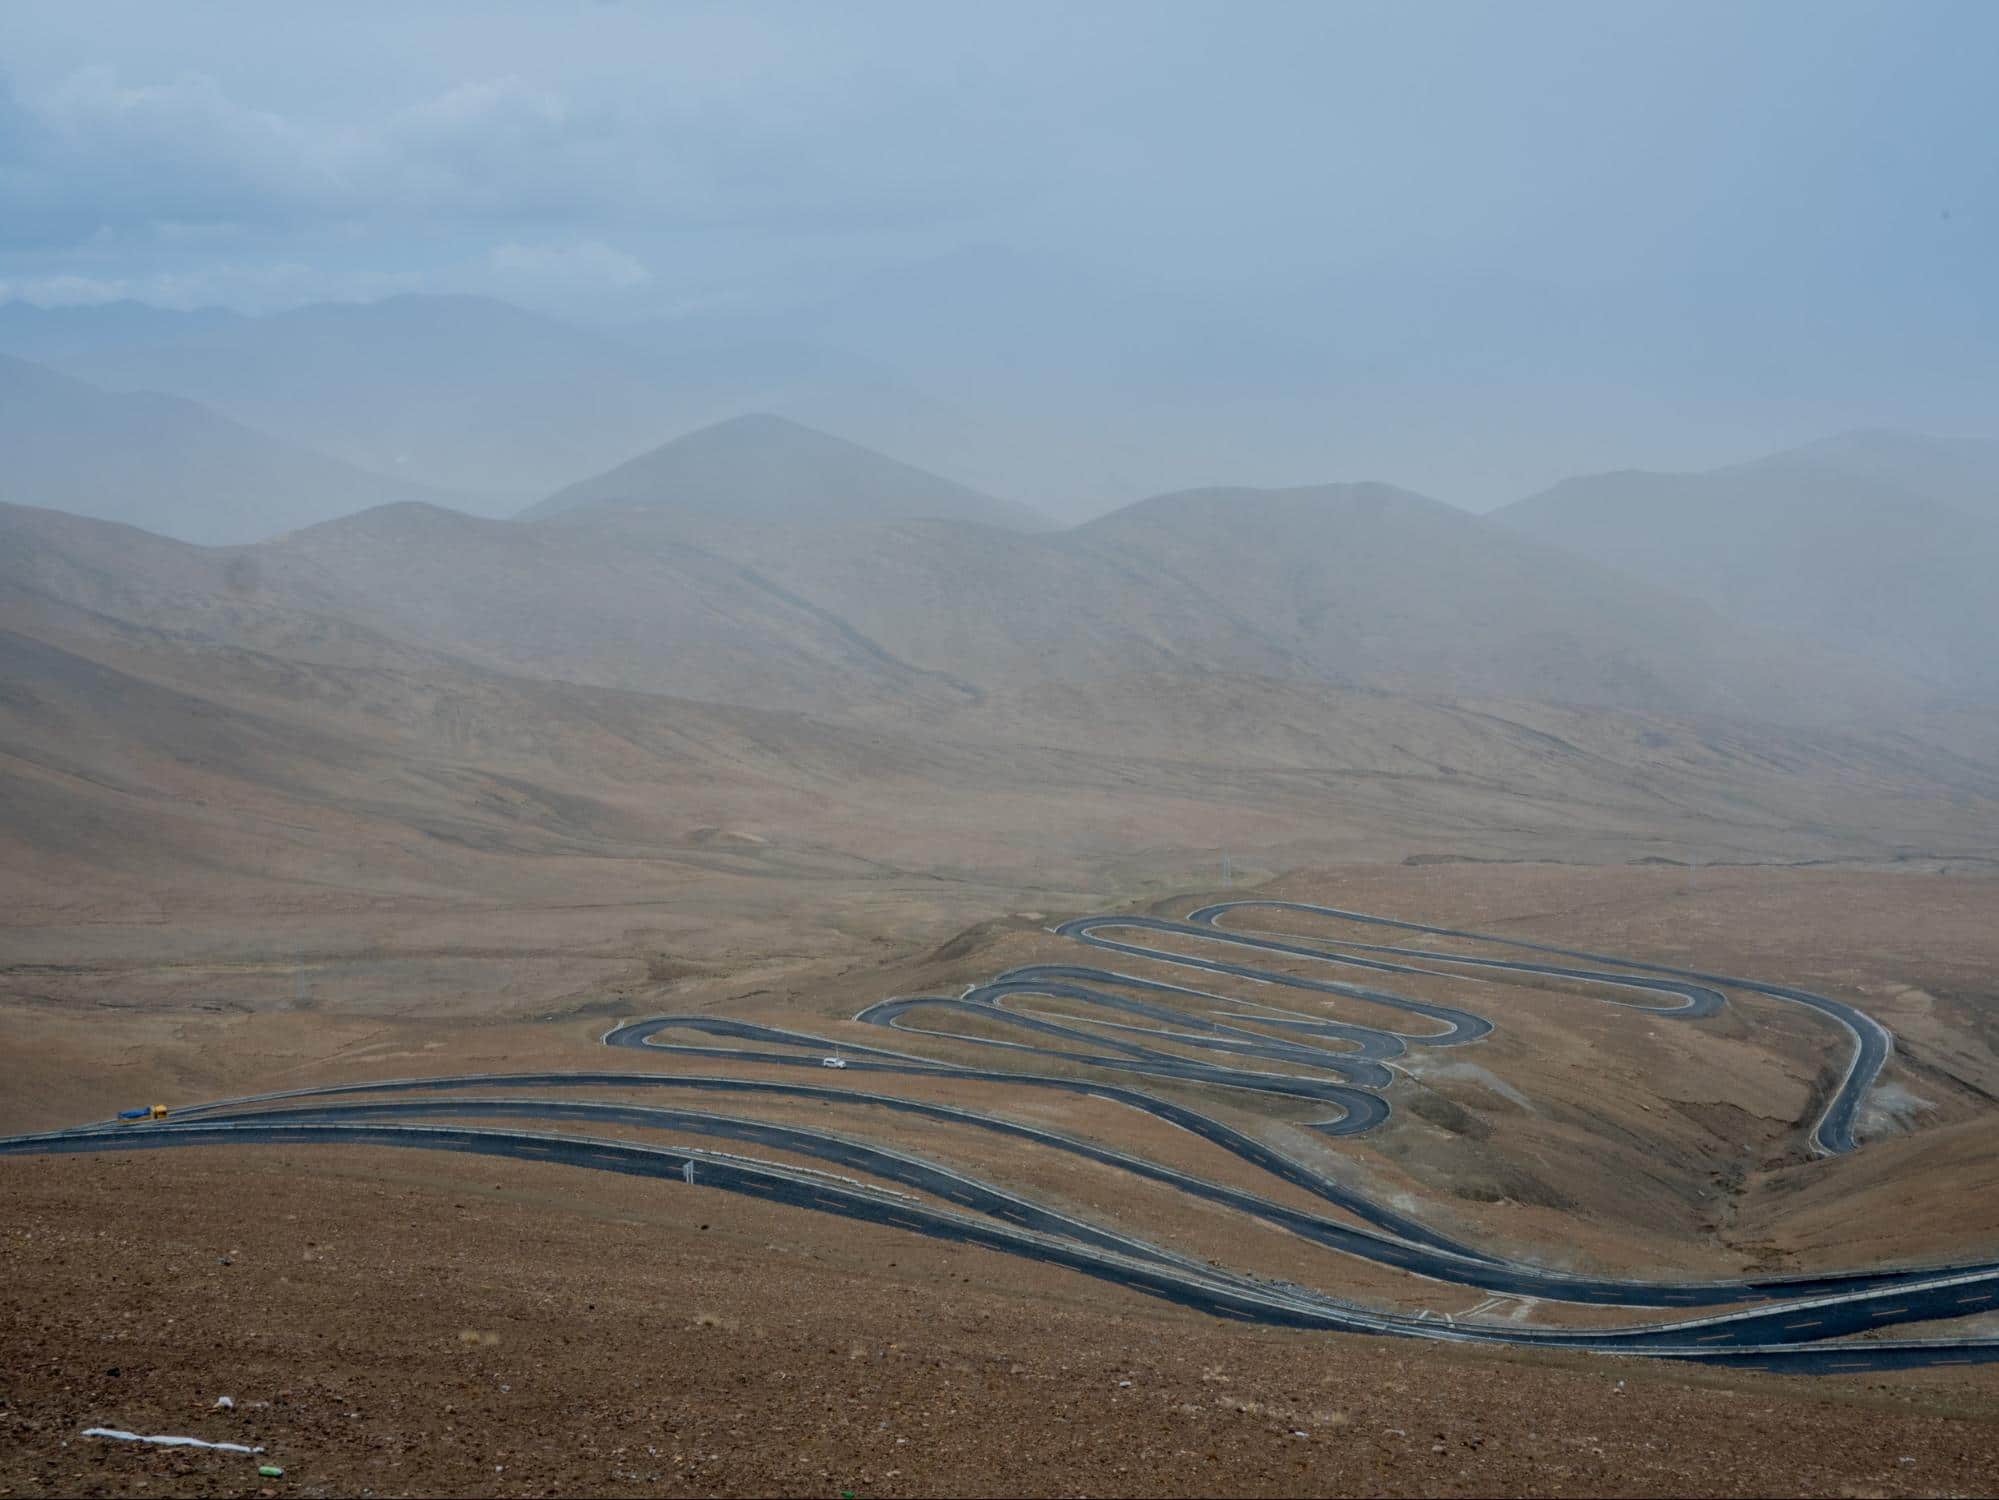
pixel 1086 1030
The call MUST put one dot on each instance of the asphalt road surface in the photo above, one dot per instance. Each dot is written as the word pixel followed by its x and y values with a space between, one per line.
pixel 1831 1134
pixel 1092 1022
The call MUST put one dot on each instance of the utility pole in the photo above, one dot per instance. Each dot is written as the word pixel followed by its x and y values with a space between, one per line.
pixel 687 1171
pixel 1228 878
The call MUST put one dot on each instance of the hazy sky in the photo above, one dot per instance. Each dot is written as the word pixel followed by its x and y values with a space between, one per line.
pixel 1470 246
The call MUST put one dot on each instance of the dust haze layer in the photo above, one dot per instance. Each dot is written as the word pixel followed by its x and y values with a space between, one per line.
pixel 483 677
pixel 1881 545
pixel 761 563
pixel 168 463
pixel 768 469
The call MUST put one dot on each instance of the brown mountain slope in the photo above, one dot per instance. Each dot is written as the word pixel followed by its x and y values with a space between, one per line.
pixel 379 706
pixel 1847 558
pixel 178 772
pixel 1359 586
pixel 1370 584
pixel 1959 472
pixel 674 617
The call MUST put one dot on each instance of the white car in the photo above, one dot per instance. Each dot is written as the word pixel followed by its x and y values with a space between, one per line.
pixel 832 1062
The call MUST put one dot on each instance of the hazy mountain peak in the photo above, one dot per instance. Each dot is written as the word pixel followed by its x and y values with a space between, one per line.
pixel 407 520
pixel 1884 442
pixel 1232 505
pixel 758 466
pixel 421 314
pixel 166 463
pixel 1875 542
pixel 1961 472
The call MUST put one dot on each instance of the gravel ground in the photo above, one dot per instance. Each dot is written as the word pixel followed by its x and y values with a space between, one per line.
pixel 395 1323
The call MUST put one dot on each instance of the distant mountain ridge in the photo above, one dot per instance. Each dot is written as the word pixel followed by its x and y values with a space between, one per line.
pixel 771 470
pixel 1353 587
pixel 762 627
pixel 1803 587
pixel 168 464
pixel 468 394
pixel 1960 472
pixel 428 698
pixel 485 399
pixel 1882 545
pixel 50 335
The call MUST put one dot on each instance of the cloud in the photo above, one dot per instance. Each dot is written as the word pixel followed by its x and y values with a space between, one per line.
pixel 251 287
pixel 500 147
pixel 68 290
pixel 95 151
pixel 184 151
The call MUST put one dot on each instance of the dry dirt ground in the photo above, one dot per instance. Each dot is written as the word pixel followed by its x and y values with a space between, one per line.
pixel 408 1324
pixel 424 1323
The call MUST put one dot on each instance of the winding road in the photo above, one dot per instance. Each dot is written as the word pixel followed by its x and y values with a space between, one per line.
pixel 1090 1031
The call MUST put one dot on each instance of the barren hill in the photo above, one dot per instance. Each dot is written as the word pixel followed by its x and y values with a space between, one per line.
pixel 497 403
pixel 1359 586
pixel 412 694
pixel 144 769
pixel 1316 670
pixel 1369 584
pixel 1961 472
pixel 1821 552
pixel 769 469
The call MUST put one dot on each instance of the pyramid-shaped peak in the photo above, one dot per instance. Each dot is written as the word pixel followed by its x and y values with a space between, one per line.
pixel 770 469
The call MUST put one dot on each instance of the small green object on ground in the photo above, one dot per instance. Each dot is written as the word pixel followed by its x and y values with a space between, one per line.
pixel 270 1471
